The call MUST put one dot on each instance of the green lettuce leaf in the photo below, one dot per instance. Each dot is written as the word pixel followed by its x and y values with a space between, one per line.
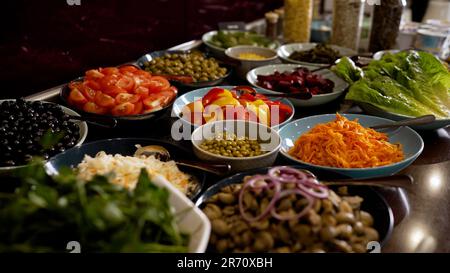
pixel 408 83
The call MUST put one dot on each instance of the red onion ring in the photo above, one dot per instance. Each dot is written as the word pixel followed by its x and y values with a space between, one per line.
pixel 277 187
pixel 306 185
pixel 298 215
pixel 321 194
pixel 286 174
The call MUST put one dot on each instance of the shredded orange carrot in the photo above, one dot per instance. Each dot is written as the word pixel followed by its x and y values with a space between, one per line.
pixel 346 144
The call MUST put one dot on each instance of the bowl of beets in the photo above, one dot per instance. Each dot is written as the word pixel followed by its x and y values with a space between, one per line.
pixel 30 129
pixel 324 85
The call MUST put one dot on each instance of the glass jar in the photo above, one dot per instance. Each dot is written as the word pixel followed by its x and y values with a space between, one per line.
pixel 271 25
pixel 348 18
pixel 387 16
pixel 297 20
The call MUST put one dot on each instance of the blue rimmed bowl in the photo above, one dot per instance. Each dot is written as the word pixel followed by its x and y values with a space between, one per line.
pixel 411 142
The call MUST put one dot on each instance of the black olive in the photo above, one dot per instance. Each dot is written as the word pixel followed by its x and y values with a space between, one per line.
pixel 10 163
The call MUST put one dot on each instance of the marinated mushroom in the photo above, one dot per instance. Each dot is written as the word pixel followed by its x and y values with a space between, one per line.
pixel 332 224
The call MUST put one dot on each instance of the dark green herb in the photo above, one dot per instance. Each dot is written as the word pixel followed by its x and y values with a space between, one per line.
pixel 45 213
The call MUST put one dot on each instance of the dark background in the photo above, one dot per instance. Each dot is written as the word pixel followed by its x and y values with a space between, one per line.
pixel 44 43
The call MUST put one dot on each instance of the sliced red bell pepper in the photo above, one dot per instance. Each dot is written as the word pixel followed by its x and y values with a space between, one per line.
pixel 212 95
pixel 244 89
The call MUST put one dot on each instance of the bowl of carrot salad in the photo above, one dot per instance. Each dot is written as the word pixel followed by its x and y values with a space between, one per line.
pixel 345 144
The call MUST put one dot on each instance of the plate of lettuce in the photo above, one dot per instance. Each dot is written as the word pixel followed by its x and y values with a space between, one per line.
pixel 399 86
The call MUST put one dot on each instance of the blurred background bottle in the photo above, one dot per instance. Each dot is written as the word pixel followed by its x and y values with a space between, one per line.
pixel 387 15
pixel 347 22
pixel 297 20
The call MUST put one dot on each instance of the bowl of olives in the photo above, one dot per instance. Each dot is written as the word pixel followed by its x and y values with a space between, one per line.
pixel 191 69
pixel 31 129
pixel 242 144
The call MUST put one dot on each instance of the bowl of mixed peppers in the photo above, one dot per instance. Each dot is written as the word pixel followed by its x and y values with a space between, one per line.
pixel 206 105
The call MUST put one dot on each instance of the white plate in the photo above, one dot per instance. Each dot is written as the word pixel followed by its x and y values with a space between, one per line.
pixel 339 85
pixel 286 50
pixel 190 219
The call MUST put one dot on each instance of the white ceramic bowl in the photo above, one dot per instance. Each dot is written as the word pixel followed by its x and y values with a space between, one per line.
pixel 246 65
pixel 218 51
pixel 185 99
pixel 286 50
pixel 190 219
pixel 268 137
pixel 339 85
pixel 83 134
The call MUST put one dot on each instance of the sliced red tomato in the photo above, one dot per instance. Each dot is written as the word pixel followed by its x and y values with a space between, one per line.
pixel 142 73
pixel 128 68
pixel 169 93
pixel 94 74
pixel 76 97
pixel 142 80
pixel 142 91
pixel 126 83
pixel 108 81
pixel 138 107
pixel 91 107
pixel 158 100
pixel 88 92
pixel 153 102
pixel 104 100
pixel 285 108
pixel 94 84
pixel 75 84
pixel 125 97
pixel 123 109
pixel 113 91
pixel 157 84
pixel 109 70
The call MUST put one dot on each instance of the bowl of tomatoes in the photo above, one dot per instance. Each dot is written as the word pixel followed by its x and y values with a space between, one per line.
pixel 123 93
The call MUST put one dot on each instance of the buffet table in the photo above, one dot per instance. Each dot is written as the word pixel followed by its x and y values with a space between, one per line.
pixel 421 213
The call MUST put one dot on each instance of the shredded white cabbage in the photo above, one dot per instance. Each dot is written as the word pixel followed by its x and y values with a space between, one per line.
pixel 125 170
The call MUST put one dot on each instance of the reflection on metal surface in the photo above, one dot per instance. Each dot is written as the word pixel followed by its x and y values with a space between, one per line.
pixel 443 133
pixel 427 245
pixel 415 237
pixel 435 182
pixel 420 241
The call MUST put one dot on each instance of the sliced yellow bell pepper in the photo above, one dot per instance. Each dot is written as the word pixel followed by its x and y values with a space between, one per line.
pixel 261 110
pixel 224 101
pixel 213 113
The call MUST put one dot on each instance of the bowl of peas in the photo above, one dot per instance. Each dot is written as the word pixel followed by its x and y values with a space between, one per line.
pixel 243 144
